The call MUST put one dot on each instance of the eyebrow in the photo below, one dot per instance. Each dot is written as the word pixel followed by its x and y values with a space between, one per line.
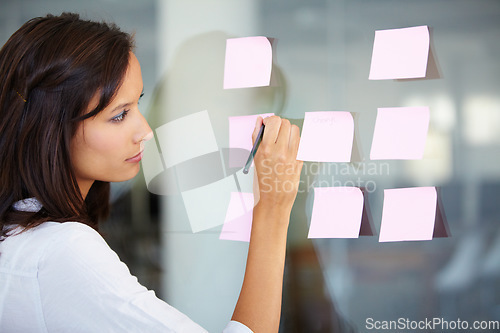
pixel 121 106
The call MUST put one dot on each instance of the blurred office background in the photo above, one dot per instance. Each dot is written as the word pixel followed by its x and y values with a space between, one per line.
pixel 322 59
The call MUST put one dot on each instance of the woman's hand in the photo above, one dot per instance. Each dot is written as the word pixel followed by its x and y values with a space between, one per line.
pixel 277 169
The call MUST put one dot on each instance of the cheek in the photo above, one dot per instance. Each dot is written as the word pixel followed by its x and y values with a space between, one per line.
pixel 104 141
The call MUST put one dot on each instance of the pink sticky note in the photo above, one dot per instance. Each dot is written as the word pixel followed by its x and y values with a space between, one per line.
pixel 240 136
pixel 400 133
pixel 238 223
pixel 408 214
pixel 249 62
pixel 327 136
pixel 337 212
pixel 400 53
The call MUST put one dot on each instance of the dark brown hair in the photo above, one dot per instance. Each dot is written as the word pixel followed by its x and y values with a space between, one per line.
pixel 50 69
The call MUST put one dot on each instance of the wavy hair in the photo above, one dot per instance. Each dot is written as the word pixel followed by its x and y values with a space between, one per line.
pixel 50 70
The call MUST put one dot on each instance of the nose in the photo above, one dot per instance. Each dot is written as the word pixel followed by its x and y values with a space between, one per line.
pixel 144 132
pixel 148 136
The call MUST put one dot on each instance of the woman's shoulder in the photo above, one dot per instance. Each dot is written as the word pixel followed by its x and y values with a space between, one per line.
pixel 76 247
pixel 50 232
pixel 69 228
pixel 26 251
pixel 47 239
pixel 70 238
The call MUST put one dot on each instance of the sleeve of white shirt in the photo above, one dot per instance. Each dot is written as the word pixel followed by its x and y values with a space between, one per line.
pixel 84 287
pixel 236 327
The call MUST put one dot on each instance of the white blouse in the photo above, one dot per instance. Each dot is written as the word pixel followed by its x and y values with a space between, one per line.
pixel 63 277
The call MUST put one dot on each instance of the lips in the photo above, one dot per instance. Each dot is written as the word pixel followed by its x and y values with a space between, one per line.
pixel 135 159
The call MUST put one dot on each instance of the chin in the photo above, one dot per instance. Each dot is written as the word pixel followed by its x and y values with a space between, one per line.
pixel 124 176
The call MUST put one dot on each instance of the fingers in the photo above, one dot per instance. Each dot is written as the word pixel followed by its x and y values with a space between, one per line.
pixel 281 132
pixel 293 145
pixel 284 134
pixel 258 124
pixel 271 132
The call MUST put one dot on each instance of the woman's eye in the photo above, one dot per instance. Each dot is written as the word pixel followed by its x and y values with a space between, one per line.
pixel 120 117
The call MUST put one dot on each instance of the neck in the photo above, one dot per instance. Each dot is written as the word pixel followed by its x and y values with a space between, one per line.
pixel 85 187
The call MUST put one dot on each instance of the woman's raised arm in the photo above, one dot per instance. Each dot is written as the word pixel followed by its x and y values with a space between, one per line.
pixel 278 175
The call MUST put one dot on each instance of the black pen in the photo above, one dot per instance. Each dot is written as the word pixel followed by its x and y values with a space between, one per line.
pixel 254 149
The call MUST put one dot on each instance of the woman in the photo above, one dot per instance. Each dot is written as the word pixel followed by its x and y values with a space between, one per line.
pixel 69 125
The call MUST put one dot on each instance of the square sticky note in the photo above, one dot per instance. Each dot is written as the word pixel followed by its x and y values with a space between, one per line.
pixel 186 138
pixel 327 136
pixel 240 136
pixel 249 62
pixel 408 214
pixel 400 53
pixel 238 223
pixel 337 212
pixel 206 206
pixel 400 133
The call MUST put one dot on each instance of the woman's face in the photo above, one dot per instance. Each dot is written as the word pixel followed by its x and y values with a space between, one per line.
pixel 108 147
